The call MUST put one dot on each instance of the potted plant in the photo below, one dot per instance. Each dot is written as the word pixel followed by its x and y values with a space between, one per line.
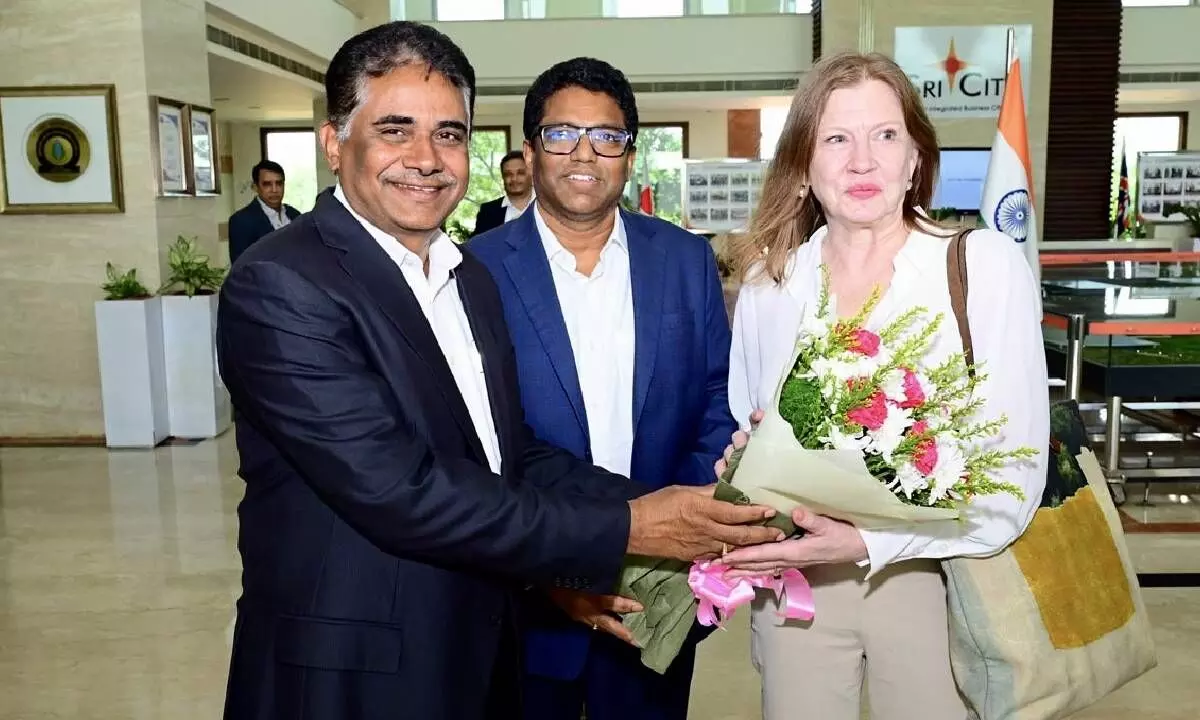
pixel 197 401
pixel 132 367
pixel 1191 215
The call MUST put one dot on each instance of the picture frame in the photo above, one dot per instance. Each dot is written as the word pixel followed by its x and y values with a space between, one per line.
pixel 170 130
pixel 204 142
pixel 60 150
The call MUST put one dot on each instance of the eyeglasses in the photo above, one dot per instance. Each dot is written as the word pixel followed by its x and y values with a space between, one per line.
pixel 605 141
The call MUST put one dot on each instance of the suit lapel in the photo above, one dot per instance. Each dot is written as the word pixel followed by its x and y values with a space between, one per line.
pixel 647 263
pixel 530 271
pixel 371 267
pixel 485 343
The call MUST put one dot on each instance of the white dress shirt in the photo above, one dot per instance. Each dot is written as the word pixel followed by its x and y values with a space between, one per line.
pixel 1004 312
pixel 278 218
pixel 598 311
pixel 438 296
pixel 512 212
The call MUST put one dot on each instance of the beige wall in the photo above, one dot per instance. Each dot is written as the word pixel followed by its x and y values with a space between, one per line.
pixel 53 265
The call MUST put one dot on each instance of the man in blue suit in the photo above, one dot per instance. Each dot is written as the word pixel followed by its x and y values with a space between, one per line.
pixel 622 345
pixel 265 214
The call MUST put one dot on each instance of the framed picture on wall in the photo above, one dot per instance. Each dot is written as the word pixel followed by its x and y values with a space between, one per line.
pixel 206 174
pixel 60 150
pixel 169 130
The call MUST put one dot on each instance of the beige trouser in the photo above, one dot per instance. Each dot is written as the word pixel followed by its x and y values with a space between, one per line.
pixel 891 632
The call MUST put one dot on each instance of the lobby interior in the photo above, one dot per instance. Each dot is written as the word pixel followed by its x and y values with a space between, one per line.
pixel 119 566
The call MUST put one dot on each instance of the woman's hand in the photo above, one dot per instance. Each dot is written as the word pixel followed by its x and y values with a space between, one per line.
pixel 826 542
pixel 739 441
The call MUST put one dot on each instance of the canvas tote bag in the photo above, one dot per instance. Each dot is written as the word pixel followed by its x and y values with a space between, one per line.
pixel 1056 621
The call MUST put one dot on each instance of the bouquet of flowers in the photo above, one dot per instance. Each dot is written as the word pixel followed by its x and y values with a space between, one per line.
pixel 864 428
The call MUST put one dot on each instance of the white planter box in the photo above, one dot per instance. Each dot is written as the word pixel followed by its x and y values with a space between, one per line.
pixel 133 380
pixel 197 400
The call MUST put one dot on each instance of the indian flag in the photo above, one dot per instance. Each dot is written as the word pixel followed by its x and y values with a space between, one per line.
pixel 1008 190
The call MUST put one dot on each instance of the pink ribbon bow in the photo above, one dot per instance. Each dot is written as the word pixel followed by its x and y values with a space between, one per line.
pixel 720 596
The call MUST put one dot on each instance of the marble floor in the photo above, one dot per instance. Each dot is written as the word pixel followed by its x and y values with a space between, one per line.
pixel 118 571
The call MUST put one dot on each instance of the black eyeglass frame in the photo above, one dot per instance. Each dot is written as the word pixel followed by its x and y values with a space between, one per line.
pixel 541 134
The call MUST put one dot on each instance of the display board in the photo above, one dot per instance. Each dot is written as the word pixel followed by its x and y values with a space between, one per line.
pixel 1166 179
pixel 720 195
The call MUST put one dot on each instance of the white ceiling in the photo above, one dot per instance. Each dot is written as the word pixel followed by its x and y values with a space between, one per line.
pixel 242 92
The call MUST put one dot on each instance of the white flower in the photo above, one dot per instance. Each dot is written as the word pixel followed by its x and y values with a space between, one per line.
pixel 909 479
pixel 949 471
pixel 887 438
pixel 893 386
pixel 814 327
pixel 839 440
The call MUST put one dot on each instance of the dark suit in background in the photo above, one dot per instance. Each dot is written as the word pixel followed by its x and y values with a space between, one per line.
pixel 491 215
pixel 248 225
pixel 381 559
pixel 681 422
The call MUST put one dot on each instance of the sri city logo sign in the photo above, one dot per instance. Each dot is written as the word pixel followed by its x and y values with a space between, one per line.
pixel 959 71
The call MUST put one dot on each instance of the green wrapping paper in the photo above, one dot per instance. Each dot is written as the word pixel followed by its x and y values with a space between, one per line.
pixel 661 587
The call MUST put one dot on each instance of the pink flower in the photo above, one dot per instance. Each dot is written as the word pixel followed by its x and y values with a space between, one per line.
pixel 914 395
pixel 920 427
pixel 865 343
pixel 926 456
pixel 872 415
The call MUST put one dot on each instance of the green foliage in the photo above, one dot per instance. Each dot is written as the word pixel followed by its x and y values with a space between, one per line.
pixel 486 149
pixel 123 285
pixel 191 273
pixel 940 214
pixel 1191 214
pixel 458 232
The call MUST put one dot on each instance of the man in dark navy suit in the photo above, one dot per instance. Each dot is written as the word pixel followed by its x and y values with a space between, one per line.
pixel 265 214
pixel 518 193
pixel 396 502
pixel 622 344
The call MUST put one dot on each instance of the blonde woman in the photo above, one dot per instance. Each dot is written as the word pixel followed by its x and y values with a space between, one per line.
pixel 854 166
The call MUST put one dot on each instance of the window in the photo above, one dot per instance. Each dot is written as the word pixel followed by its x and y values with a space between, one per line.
pixel 661 148
pixel 1155 3
pixel 488 145
pixel 451 10
pixel 296 150
pixel 1143 132
pixel 643 8
pixel 770 127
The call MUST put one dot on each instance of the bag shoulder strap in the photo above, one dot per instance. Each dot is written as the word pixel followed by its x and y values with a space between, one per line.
pixel 956 274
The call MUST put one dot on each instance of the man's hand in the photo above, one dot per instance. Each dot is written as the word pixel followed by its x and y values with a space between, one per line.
pixel 739 441
pixel 826 541
pixel 686 523
pixel 599 612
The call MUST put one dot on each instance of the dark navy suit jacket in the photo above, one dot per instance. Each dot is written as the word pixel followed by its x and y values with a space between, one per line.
pixel 681 416
pixel 249 225
pixel 381 559
pixel 491 215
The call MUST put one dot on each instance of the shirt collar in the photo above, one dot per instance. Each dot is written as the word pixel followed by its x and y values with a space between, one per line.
pixel 444 254
pixel 555 249
pixel 268 209
pixel 507 201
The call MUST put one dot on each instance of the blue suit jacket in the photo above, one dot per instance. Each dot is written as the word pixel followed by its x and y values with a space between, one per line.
pixel 249 225
pixel 681 416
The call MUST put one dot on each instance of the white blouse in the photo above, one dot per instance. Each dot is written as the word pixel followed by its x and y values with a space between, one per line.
pixel 1004 312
